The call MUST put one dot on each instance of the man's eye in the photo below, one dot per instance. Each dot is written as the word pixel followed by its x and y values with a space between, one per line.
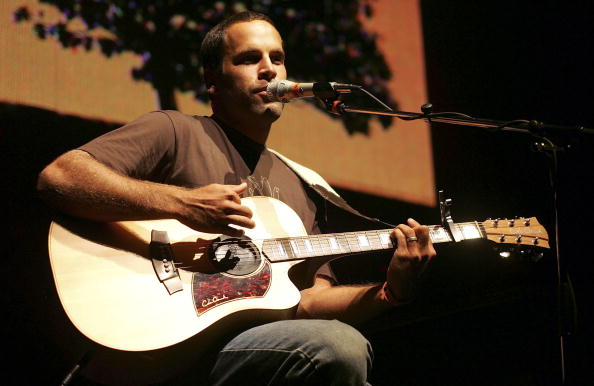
pixel 277 59
pixel 250 60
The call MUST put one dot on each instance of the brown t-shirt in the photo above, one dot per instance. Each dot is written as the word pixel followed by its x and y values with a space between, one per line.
pixel 192 151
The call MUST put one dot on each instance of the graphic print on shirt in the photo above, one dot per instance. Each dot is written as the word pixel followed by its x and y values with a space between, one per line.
pixel 263 188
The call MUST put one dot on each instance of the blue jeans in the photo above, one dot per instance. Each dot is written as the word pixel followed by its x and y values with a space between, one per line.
pixel 295 352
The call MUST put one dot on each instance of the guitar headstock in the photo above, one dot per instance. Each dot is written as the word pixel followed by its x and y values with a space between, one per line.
pixel 518 231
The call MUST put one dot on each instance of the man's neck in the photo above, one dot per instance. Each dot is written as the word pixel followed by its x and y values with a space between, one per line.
pixel 255 131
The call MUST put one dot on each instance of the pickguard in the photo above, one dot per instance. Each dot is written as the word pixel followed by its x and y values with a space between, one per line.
pixel 210 290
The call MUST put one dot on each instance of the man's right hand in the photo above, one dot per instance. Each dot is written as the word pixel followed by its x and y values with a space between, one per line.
pixel 213 208
pixel 79 185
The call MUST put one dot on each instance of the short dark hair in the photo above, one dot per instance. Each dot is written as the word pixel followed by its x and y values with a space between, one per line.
pixel 213 44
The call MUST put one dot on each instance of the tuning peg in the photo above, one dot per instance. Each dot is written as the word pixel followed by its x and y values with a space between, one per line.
pixel 526 222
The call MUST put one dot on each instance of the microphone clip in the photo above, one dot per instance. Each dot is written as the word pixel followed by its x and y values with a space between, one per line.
pixel 334 106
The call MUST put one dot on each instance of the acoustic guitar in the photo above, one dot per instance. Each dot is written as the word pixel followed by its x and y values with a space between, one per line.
pixel 146 285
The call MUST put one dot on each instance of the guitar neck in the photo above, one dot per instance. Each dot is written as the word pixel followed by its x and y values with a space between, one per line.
pixel 339 244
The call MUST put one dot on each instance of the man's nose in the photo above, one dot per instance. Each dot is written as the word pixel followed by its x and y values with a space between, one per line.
pixel 267 70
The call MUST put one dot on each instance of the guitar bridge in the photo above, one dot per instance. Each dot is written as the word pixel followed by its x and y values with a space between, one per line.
pixel 162 258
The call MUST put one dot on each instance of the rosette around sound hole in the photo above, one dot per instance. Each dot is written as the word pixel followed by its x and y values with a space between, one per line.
pixel 236 256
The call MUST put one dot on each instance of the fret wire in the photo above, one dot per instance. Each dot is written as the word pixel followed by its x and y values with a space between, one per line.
pixel 311 248
pixel 341 243
pixel 304 247
pixel 274 249
pixel 384 235
pixel 439 234
pixel 297 242
pixel 345 237
pixel 277 247
pixel 329 242
pixel 348 237
pixel 374 239
pixel 363 236
pixel 318 245
pixel 345 245
pixel 326 244
pixel 271 250
pixel 353 243
pixel 460 230
pixel 282 250
pixel 307 246
pixel 371 237
pixel 389 241
pixel 294 247
pixel 313 245
pixel 288 249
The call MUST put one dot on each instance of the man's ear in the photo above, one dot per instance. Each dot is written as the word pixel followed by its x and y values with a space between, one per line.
pixel 211 78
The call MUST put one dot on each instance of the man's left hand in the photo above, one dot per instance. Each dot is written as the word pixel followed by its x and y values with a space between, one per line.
pixel 413 253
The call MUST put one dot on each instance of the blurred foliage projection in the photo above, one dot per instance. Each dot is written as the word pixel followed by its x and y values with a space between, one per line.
pixel 324 40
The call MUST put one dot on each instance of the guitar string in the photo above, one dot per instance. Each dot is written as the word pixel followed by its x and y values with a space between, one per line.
pixel 432 228
pixel 346 242
pixel 350 241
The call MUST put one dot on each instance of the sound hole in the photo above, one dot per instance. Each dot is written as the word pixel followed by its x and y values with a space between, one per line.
pixel 236 256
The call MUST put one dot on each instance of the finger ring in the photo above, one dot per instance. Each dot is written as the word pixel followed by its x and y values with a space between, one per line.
pixel 411 239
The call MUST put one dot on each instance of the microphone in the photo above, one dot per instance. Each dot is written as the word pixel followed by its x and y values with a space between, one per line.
pixel 285 90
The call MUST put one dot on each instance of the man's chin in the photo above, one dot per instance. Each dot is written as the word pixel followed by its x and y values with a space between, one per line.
pixel 274 110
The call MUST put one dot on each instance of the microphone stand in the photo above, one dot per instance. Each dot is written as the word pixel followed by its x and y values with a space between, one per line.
pixel 537 129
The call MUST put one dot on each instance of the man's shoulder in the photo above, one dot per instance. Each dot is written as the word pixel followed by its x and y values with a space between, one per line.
pixel 181 123
pixel 179 117
pixel 308 175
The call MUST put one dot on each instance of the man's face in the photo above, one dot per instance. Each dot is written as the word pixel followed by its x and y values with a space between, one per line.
pixel 253 57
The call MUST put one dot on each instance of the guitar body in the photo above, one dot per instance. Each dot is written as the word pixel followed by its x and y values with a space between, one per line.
pixel 109 289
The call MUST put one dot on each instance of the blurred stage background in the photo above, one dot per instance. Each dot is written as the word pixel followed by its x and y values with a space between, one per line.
pixel 480 319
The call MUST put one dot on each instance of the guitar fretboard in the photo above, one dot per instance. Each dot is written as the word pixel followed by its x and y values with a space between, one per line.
pixel 331 244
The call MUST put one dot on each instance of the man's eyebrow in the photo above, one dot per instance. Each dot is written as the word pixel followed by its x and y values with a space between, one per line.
pixel 249 50
pixel 282 52
pixel 245 54
pixel 254 51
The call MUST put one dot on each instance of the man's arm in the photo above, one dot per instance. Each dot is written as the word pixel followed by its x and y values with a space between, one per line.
pixel 77 184
pixel 356 304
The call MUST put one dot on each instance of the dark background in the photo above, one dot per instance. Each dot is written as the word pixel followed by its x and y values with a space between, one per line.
pixel 479 319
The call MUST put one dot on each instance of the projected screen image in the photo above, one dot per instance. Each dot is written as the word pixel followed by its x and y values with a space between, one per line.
pixel 376 44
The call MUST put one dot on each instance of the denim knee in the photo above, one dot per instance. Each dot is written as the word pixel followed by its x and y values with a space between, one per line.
pixel 343 357
pixel 295 352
